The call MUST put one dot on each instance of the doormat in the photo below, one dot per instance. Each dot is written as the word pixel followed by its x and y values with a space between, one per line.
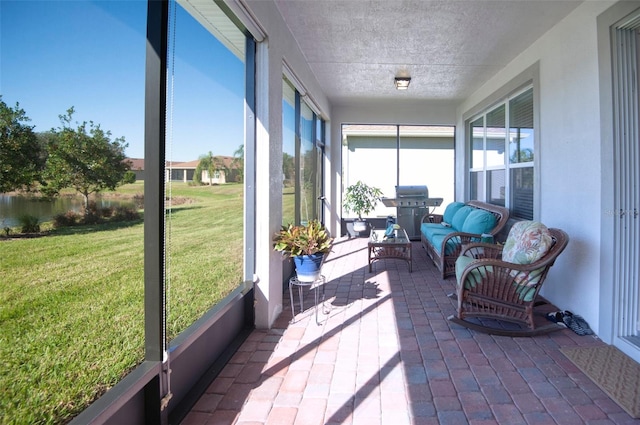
pixel 614 372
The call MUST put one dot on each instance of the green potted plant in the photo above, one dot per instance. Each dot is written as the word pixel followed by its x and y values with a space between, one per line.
pixel 307 245
pixel 361 199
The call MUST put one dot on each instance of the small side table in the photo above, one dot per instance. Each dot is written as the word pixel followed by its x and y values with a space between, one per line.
pixel 380 246
pixel 315 286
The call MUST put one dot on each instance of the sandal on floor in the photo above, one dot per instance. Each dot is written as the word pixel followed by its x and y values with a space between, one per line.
pixel 556 317
pixel 576 323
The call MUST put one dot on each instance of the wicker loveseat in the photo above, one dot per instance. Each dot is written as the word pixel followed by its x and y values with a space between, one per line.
pixel 444 235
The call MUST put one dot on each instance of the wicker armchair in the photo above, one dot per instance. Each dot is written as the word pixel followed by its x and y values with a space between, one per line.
pixel 490 288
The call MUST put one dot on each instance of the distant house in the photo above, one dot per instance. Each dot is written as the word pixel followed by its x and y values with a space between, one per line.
pixel 137 166
pixel 180 171
pixel 185 171
pixel 229 173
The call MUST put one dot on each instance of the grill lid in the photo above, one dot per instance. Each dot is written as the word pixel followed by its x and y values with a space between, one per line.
pixel 418 191
pixel 412 196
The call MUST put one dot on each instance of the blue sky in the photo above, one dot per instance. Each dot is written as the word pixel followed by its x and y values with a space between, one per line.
pixel 91 55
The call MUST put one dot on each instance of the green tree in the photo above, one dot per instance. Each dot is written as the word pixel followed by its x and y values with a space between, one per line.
pixel 83 158
pixel 238 163
pixel 521 155
pixel 21 155
pixel 210 164
pixel 288 169
pixel 129 177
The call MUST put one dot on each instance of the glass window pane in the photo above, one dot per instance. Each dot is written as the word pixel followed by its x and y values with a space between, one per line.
pixel 308 166
pixel 496 187
pixel 476 131
pixel 425 155
pixel 288 153
pixel 521 128
pixel 369 155
pixel 496 136
pixel 521 187
pixel 427 158
pixel 205 136
pixel 476 185
pixel 72 320
pixel 319 135
pixel 302 148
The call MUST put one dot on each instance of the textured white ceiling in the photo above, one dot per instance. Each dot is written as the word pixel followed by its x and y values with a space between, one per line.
pixel 449 48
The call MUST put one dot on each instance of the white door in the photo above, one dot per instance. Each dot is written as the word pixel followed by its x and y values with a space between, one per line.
pixel 626 254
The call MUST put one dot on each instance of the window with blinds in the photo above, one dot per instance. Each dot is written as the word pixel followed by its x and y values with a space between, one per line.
pixel 500 145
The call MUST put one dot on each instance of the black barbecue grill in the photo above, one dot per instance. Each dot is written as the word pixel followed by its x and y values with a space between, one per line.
pixel 411 203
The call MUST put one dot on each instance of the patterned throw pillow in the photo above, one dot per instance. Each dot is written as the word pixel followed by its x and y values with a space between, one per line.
pixel 528 241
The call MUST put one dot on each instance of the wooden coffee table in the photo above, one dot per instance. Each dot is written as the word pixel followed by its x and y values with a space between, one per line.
pixel 381 246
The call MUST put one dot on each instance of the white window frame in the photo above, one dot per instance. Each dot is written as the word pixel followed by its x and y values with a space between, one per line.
pixel 528 80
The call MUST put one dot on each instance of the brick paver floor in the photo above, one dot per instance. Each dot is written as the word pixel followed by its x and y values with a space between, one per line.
pixel 385 353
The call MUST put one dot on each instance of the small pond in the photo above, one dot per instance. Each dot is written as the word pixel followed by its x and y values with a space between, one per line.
pixel 12 207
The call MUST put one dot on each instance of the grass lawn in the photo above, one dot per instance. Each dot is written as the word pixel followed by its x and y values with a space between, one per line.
pixel 71 303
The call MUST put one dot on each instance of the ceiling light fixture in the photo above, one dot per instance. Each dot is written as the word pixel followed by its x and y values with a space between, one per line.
pixel 402 83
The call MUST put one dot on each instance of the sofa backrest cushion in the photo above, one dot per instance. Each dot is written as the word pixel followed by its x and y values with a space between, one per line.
pixel 460 216
pixel 528 241
pixel 451 210
pixel 478 222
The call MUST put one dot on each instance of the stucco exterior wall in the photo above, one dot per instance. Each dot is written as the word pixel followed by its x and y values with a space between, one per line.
pixel 569 152
pixel 278 47
pixel 398 111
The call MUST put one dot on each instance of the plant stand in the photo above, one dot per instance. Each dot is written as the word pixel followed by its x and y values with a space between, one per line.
pixel 315 286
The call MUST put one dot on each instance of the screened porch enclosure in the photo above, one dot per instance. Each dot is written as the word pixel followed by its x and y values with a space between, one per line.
pixel 387 156
pixel 537 112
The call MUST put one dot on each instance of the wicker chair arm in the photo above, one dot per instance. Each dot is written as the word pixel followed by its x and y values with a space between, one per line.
pixel 500 279
pixel 510 272
pixel 482 250
pixel 465 238
pixel 456 241
pixel 489 278
pixel 496 262
pixel 431 218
